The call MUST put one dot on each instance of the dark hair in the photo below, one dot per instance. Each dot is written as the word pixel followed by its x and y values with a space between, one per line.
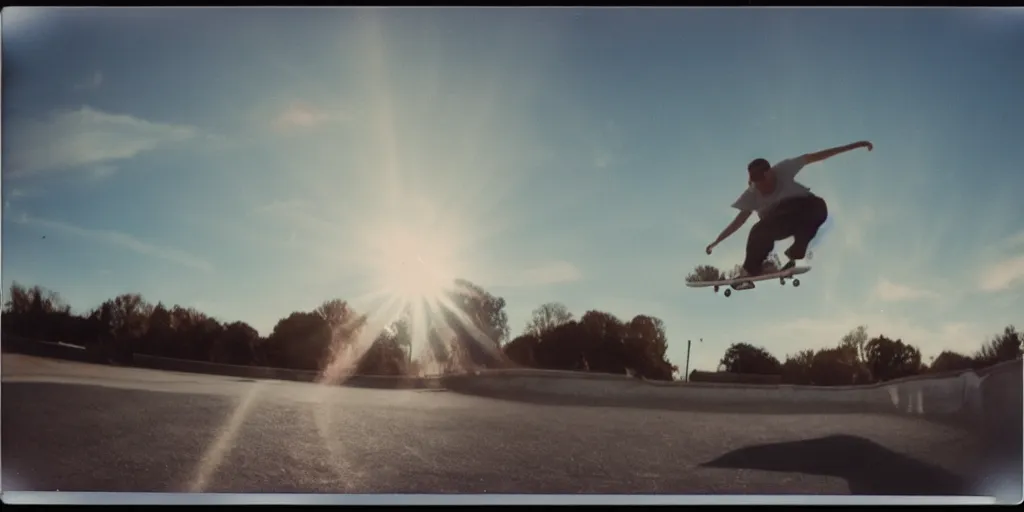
pixel 757 167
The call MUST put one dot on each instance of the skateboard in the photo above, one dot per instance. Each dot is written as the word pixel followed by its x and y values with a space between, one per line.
pixel 747 283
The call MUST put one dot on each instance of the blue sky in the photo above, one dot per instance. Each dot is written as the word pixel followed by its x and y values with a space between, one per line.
pixel 255 162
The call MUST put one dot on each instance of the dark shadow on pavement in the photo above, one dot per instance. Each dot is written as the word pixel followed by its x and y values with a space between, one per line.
pixel 868 468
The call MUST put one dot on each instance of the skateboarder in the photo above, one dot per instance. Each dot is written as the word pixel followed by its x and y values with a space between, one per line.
pixel 785 208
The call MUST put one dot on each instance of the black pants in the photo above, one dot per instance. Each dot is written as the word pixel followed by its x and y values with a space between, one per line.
pixel 798 217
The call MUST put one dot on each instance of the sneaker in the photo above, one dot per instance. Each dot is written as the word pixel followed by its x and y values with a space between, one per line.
pixel 743 285
pixel 745 273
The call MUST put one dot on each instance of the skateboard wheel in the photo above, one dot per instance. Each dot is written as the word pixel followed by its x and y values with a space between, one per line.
pixel 782 281
pixel 716 289
pixel 728 293
pixel 796 282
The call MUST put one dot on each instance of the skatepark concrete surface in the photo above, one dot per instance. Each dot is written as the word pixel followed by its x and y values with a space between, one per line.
pixel 75 427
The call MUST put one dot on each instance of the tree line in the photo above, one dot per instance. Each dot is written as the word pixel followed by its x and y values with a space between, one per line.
pixel 858 358
pixel 471 333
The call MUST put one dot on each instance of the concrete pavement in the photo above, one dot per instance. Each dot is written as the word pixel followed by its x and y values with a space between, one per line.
pixel 78 427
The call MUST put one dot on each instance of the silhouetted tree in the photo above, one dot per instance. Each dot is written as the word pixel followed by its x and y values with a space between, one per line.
pixel 1003 347
pixel 949 361
pixel 302 341
pixel 646 345
pixel 835 367
pixel 520 351
pixel 159 335
pixel 854 342
pixel 384 357
pixel 562 348
pixel 889 359
pixel 546 317
pixel 342 320
pixel 237 344
pixel 478 323
pixel 601 342
pixel 797 368
pixel 746 358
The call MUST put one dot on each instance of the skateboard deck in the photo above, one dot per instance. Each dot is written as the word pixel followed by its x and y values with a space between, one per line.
pixel 747 283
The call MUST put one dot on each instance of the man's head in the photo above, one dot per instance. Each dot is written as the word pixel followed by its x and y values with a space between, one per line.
pixel 761 175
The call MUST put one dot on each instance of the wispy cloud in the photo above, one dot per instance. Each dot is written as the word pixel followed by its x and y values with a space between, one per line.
pixel 1003 274
pixel 84 138
pixel 544 274
pixel 889 291
pixel 848 225
pixel 103 171
pixel 551 273
pixel 297 213
pixel 123 240
pixel 1015 241
pixel 305 231
pixel 93 82
pixel 18 193
pixel 15 194
pixel 299 116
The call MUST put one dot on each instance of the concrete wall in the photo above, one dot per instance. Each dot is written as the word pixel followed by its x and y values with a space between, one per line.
pixel 262 372
pixel 251 372
pixel 734 378
pixel 26 346
pixel 988 400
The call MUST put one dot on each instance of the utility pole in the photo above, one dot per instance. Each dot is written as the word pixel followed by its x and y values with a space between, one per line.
pixel 686 378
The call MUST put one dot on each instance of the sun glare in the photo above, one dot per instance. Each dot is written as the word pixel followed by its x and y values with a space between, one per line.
pixel 412 267
pixel 410 278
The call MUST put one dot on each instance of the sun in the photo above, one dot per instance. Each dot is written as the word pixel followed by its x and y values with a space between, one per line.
pixel 410 278
pixel 410 260
pixel 411 266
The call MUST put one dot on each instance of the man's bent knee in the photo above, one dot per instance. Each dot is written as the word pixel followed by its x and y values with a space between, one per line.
pixel 820 208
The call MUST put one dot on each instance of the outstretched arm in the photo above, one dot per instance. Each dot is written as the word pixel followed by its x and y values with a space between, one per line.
pixel 831 152
pixel 736 223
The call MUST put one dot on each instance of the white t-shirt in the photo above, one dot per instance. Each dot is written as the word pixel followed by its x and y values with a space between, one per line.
pixel 786 187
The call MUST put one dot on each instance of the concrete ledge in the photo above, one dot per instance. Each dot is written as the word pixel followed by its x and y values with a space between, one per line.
pixel 988 401
pixel 25 346
pixel 623 391
pixel 263 372
pixel 734 378
pixel 250 372
pixel 997 403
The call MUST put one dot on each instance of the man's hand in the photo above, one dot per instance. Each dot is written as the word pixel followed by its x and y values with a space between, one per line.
pixel 741 217
pixel 831 152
